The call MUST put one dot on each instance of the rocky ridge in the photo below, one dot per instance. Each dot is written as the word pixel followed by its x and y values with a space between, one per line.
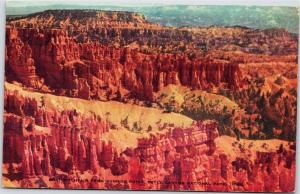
pixel 91 70
pixel 125 28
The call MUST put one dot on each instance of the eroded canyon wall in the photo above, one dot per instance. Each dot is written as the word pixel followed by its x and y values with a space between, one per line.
pixel 91 70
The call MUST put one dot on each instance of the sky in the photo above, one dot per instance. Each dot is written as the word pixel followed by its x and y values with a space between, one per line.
pixel 157 2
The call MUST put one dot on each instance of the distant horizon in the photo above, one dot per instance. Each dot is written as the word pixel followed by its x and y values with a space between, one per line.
pixel 292 3
pixel 251 16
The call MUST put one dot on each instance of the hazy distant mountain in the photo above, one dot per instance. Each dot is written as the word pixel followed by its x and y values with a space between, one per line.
pixel 179 15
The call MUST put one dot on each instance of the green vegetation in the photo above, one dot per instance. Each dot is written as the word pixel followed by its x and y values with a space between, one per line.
pixel 272 114
pixel 210 111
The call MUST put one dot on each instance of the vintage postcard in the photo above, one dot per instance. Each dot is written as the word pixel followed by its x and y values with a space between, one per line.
pixel 150 97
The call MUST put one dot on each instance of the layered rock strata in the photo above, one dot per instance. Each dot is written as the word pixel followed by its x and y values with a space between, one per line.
pixel 92 70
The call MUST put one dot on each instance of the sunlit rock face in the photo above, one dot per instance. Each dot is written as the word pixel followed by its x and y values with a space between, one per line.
pixel 91 70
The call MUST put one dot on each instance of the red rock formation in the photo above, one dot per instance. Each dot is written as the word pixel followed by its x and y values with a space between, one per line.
pixel 93 70
pixel 128 28
pixel 19 56
pixel 45 141
pixel 58 139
